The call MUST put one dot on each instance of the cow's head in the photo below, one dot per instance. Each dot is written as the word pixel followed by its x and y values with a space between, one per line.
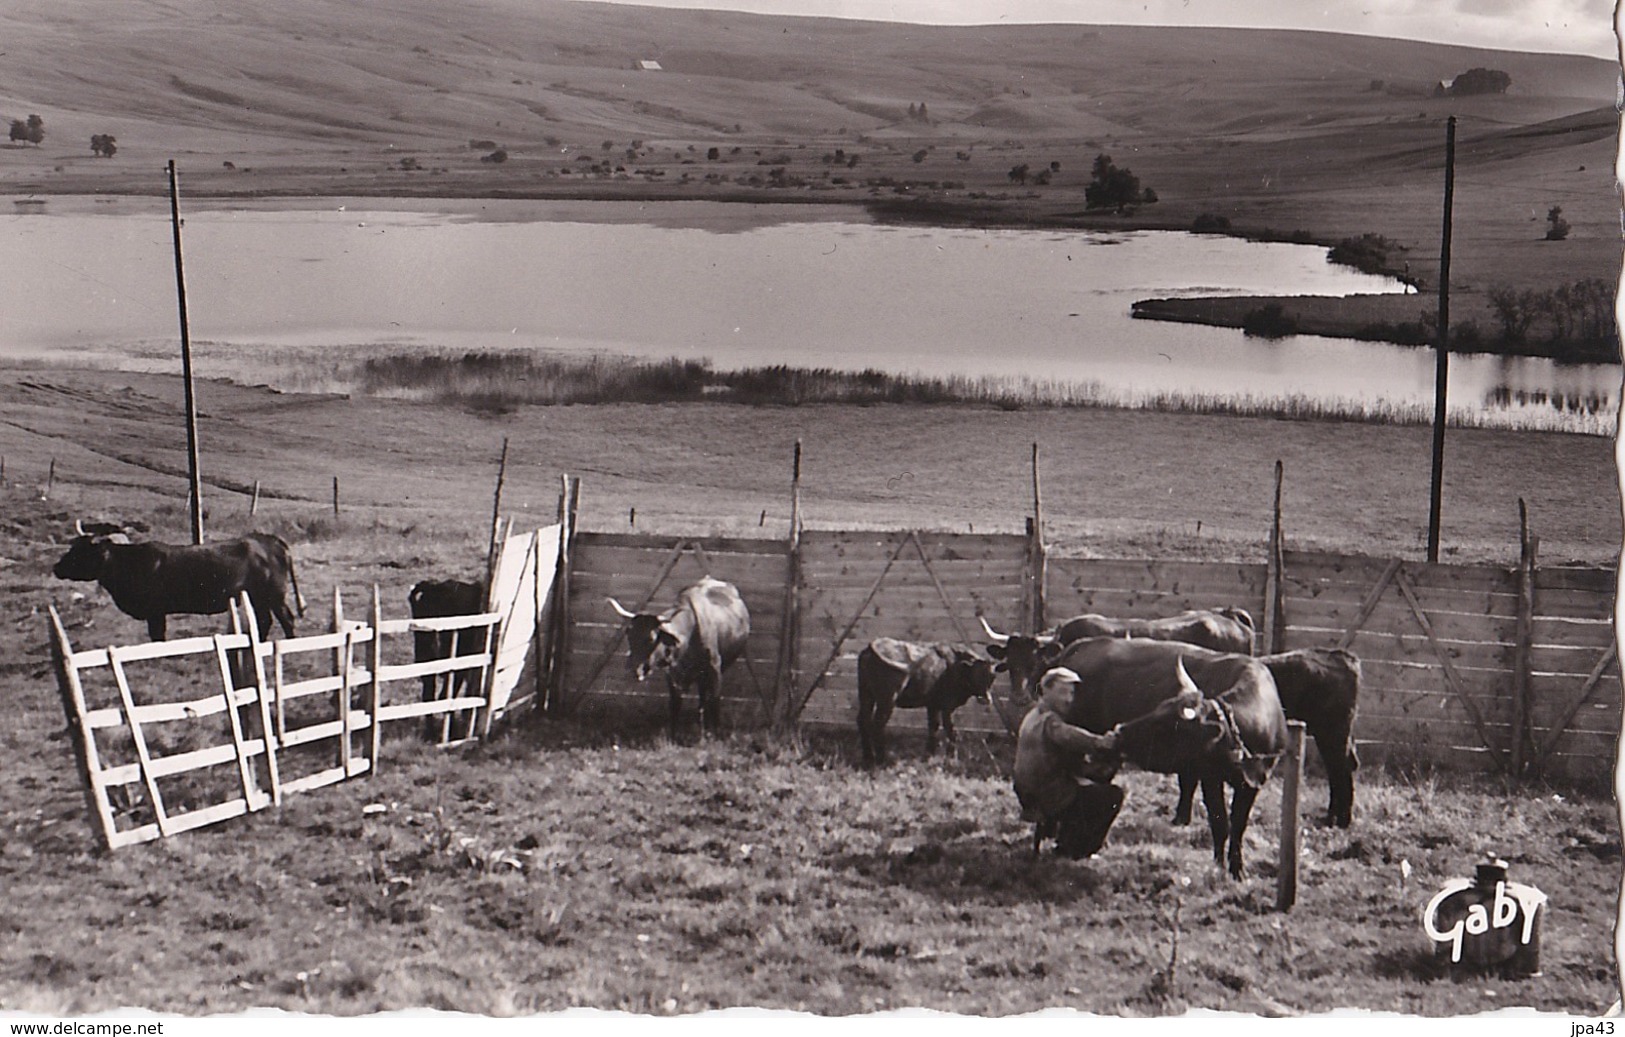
pixel 651 644
pixel 1177 734
pixel 89 551
pixel 976 673
pixel 1023 656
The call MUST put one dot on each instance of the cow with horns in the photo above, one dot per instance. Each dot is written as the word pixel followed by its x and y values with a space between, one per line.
pixel 693 641
pixel 1178 709
pixel 152 581
pixel 1321 687
pixel 940 677
pixel 1025 656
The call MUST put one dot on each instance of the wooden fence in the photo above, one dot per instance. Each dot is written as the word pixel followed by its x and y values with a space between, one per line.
pixel 165 745
pixel 1512 670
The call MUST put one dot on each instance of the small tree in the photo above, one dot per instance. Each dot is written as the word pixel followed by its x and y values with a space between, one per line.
pixel 36 129
pixel 1557 228
pixel 1515 311
pixel 103 145
pixel 19 131
pixel 1113 188
pixel 1019 173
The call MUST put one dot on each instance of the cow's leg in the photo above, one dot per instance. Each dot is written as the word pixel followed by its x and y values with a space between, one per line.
pixel 1338 756
pixel 877 733
pixel 866 719
pixel 1187 796
pixel 948 732
pixel 1217 822
pixel 675 705
pixel 710 703
pixel 157 627
pixel 933 717
pixel 1241 805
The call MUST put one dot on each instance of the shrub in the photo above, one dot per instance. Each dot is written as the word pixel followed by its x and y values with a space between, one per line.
pixel 1269 321
pixel 1367 253
pixel 1207 223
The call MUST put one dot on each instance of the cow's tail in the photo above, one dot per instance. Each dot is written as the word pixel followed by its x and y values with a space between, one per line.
pixel 293 578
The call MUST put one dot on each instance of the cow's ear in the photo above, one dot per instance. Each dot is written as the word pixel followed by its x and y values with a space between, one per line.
pixel 665 636
pixel 998 651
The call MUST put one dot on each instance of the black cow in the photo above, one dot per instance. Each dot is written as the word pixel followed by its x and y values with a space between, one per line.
pixel 440 599
pixel 1321 687
pixel 1025 656
pixel 1231 736
pixel 152 581
pixel 940 677
pixel 694 641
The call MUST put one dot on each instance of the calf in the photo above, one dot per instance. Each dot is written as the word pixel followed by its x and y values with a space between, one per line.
pixel 439 599
pixel 939 677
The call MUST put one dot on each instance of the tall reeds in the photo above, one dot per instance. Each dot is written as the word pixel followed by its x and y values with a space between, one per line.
pixel 498 381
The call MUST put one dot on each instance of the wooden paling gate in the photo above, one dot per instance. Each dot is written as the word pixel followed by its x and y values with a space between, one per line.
pixel 646 573
pixel 174 735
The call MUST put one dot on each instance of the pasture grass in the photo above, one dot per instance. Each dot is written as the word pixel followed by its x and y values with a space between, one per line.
pixel 497 382
pixel 564 866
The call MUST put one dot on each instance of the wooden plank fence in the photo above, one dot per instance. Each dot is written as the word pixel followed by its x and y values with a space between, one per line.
pixel 646 573
pixel 1466 666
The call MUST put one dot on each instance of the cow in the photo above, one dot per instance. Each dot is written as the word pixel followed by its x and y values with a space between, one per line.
pixel 1232 736
pixel 694 641
pixel 152 581
pixel 1321 687
pixel 439 599
pixel 1025 656
pixel 941 677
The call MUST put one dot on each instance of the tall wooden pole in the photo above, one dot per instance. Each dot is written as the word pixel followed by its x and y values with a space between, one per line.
pixel 1441 377
pixel 1040 558
pixel 496 517
pixel 186 359
pixel 1273 576
pixel 784 671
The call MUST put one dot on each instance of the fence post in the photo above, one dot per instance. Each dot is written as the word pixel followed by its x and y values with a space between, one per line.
pixel 80 734
pixel 375 663
pixel 254 501
pixel 1040 558
pixel 789 627
pixel 1273 575
pixel 496 515
pixel 335 496
pixel 1521 677
pixel 1286 880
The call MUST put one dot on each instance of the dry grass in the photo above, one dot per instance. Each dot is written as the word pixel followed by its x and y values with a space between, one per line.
pixel 498 383
pixel 563 867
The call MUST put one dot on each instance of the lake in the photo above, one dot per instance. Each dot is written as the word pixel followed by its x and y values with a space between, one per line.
pixel 796 285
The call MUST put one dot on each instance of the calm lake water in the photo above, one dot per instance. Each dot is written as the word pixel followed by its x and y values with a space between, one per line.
pixel 785 285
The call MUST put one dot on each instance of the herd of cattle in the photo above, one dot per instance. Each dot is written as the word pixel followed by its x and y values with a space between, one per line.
pixel 1184 694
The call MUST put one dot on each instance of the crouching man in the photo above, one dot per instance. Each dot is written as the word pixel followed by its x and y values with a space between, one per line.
pixel 1064 792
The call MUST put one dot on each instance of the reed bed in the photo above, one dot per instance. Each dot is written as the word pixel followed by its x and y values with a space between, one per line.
pixel 499 381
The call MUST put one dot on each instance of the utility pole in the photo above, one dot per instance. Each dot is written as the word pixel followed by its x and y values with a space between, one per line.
pixel 1441 376
pixel 186 361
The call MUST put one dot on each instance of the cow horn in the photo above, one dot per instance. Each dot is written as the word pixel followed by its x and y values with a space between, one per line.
pixel 621 610
pixel 1185 682
pixel 992 634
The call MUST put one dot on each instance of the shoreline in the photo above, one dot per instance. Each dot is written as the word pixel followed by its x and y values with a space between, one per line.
pixel 1393 319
